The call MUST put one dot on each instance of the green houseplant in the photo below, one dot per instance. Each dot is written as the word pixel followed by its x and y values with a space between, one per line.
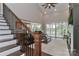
pixel 70 20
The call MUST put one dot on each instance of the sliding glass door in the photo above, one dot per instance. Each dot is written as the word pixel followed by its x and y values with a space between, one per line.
pixel 59 30
pixel 50 30
pixel 56 30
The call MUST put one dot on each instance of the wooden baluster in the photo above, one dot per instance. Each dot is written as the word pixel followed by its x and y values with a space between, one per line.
pixel 26 46
pixel 32 50
pixel 18 27
pixel 37 40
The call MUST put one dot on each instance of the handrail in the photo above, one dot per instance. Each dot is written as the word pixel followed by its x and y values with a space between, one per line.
pixel 24 25
pixel 17 18
pixel 22 37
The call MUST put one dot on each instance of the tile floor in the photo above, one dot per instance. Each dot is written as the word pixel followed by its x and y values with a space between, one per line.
pixel 57 47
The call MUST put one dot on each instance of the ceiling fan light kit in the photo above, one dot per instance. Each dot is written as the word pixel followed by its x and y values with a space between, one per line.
pixel 49 5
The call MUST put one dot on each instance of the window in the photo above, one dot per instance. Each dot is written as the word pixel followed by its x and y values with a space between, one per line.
pixel 56 29
pixel 36 27
pixel 50 29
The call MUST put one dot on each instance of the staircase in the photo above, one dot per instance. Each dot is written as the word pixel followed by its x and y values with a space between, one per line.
pixel 8 41
pixel 8 45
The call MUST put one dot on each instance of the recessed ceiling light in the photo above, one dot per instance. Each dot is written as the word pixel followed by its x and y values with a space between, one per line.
pixel 68 6
pixel 45 12
pixel 55 9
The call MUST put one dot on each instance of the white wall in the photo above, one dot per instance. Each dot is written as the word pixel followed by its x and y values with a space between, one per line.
pixel 1 8
pixel 26 11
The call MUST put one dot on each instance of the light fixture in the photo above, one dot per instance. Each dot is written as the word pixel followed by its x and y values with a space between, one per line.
pixel 45 12
pixel 68 6
pixel 48 5
pixel 54 9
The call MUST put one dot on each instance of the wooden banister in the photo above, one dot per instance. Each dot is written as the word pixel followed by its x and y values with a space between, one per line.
pixel 18 20
pixel 21 36
pixel 22 24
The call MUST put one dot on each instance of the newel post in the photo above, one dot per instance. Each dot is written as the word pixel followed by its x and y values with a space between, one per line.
pixel 37 40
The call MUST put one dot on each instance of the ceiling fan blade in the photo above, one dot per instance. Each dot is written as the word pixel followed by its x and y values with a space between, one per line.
pixel 46 6
pixel 53 5
pixel 43 5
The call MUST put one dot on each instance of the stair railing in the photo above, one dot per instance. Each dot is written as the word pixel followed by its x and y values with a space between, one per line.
pixel 21 30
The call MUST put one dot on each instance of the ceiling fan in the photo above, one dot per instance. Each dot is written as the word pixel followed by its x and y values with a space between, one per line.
pixel 49 5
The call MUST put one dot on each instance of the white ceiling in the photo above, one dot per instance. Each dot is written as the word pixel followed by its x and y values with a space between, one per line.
pixel 36 13
pixel 60 15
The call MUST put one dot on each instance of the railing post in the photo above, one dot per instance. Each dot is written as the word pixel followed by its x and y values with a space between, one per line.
pixel 37 40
